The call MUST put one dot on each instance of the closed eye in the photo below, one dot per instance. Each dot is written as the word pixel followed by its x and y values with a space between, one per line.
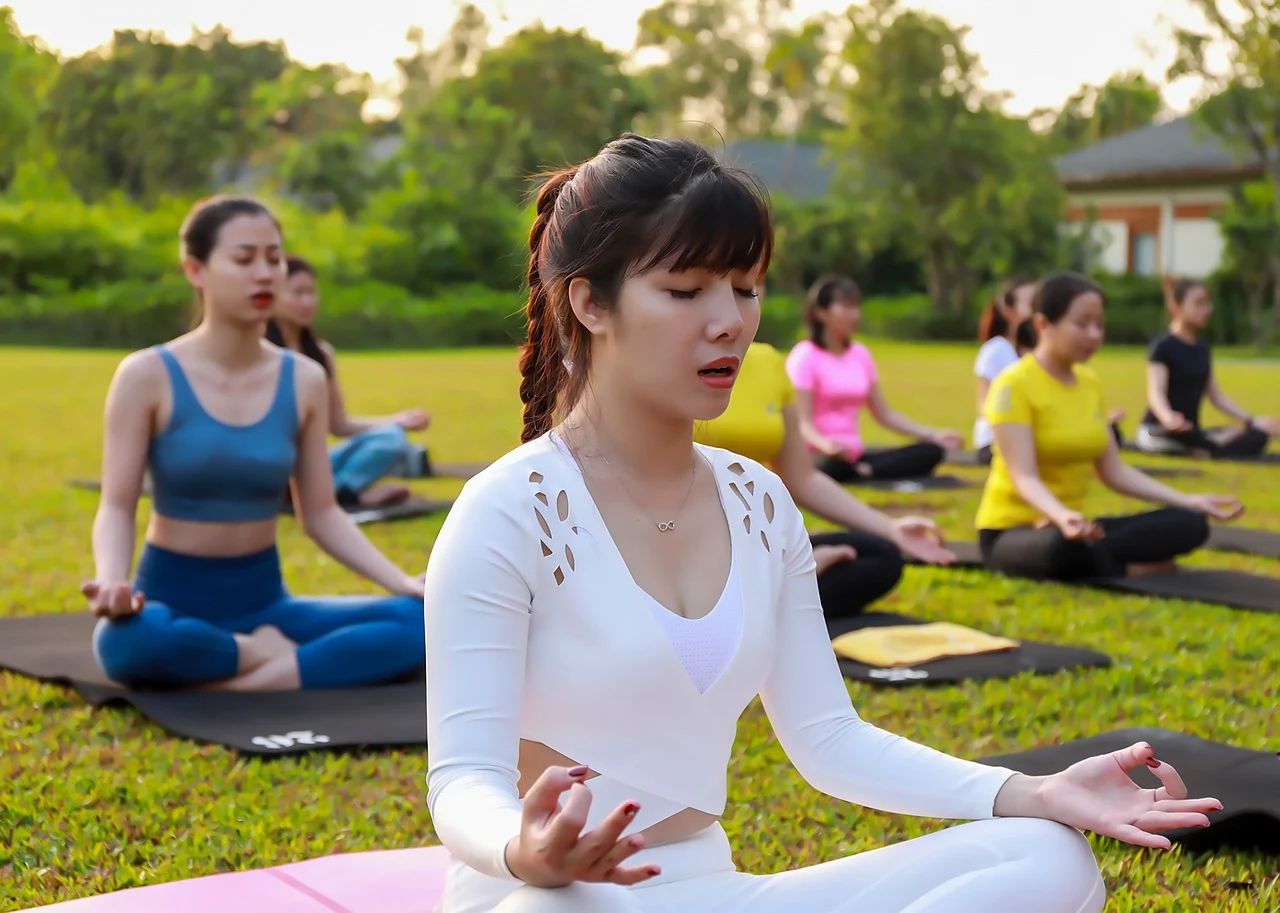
pixel 748 292
pixel 683 294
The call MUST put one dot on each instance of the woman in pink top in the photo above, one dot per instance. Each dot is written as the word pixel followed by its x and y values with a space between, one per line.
pixel 835 376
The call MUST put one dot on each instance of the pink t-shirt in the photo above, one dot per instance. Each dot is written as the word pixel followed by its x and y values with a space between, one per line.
pixel 839 386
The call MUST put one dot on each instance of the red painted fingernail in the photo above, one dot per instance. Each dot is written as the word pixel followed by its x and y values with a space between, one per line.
pixel 1153 763
pixel 579 771
pixel 630 809
pixel 654 870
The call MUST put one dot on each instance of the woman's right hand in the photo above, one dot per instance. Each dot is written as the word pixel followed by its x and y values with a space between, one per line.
pixel 825 557
pixel 1176 422
pixel 112 600
pixel 1220 507
pixel 552 851
pixel 1078 527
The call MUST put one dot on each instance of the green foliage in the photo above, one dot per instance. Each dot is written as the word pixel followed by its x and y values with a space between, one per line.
pixel 98 799
pixel 1124 102
pixel 26 70
pixel 934 163
pixel 149 118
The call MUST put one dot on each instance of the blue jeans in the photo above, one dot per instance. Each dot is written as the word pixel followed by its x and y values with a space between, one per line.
pixel 184 634
pixel 363 459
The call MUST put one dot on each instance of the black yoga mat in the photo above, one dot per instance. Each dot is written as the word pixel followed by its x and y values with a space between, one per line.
pixel 1272 457
pixel 1230 588
pixel 414 506
pixel 57 648
pixel 405 510
pixel 1246 782
pixel 918 483
pixel 1030 656
pixel 1236 589
pixel 970 458
pixel 1240 539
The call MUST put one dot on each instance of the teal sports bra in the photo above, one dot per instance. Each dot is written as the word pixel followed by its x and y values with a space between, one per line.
pixel 204 469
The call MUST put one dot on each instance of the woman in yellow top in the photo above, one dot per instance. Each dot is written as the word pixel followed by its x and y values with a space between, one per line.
pixel 854 568
pixel 1051 437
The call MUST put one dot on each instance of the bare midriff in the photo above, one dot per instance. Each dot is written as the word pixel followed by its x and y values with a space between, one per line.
pixel 211 540
pixel 536 757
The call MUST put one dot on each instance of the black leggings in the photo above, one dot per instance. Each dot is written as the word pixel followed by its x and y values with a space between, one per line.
pixel 1156 439
pixel 909 462
pixel 1159 535
pixel 848 587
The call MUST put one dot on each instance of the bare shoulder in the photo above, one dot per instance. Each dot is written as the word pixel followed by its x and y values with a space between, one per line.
pixel 311 379
pixel 139 370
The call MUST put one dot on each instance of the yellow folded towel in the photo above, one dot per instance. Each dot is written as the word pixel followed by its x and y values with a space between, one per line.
pixel 909 645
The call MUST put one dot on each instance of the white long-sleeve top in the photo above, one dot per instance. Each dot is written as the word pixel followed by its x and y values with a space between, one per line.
pixel 536 630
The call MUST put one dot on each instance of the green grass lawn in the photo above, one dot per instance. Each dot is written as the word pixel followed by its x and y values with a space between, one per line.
pixel 96 800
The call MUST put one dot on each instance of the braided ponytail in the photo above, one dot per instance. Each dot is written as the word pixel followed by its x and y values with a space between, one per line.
pixel 541 359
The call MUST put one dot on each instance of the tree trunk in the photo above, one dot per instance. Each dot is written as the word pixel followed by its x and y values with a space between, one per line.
pixel 936 279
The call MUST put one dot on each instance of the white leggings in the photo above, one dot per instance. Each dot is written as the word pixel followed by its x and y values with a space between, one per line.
pixel 980 867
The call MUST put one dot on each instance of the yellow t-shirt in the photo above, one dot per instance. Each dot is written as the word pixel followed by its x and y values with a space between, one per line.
pixel 1069 427
pixel 753 424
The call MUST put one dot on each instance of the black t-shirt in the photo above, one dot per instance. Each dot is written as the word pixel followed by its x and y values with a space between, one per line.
pixel 1190 367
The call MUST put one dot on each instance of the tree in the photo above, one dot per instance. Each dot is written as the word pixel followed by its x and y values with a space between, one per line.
pixel 713 54
pixel 1124 102
pixel 566 95
pixel 427 69
pixel 1243 107
pixel 1252 232
pixel 150 117
pixel 26 70
pixel 933 163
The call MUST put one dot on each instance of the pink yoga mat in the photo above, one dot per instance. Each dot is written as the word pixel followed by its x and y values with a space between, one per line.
pixel 389 881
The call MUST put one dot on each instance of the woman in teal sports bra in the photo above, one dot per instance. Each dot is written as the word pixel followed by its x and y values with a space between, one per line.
pixel 223 419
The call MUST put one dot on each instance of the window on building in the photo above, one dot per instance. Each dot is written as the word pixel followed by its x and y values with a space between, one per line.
pixel 1146 254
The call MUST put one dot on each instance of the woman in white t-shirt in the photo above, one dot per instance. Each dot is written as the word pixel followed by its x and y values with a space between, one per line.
pixel 1010 307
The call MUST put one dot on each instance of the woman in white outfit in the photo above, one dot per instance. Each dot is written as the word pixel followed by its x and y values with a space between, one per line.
pixel 605 600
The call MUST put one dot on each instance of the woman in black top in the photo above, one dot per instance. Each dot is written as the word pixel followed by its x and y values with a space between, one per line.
pixel 1179 375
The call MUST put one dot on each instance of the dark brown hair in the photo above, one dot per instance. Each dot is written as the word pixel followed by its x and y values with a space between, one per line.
pixel 200 229
pixel 199 233
pixel 993 322
pixel 826 291
pixel 1056 292
pixel 1176 292
pixel 308 341
pixel 638 204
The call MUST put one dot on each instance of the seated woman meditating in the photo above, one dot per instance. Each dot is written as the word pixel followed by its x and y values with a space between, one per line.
pixel 604 601
pixel 998 333
pixel 855 568
pixel 1051 438
pixel 374 447
pixel 835 376
pixel 223 418
pixel 1180 375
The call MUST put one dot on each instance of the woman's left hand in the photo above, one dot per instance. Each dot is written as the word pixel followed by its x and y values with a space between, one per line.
pixel 413 586
pixel 947 439
pixel 413 419
pixel 1267 425
pixel 920 538
pixel 1096 794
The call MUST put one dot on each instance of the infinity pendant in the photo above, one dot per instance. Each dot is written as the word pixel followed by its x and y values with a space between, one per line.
pixel 666 526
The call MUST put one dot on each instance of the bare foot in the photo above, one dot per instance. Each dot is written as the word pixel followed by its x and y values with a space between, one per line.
pixel 262 645
pixel 268 661
pixel 383 496
pixel 1141 569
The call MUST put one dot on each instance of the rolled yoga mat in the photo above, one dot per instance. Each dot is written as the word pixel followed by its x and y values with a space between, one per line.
pixel 1030 656
pixel 384 881
pixel 56 648
pixel 1246 782
pixel 405 510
